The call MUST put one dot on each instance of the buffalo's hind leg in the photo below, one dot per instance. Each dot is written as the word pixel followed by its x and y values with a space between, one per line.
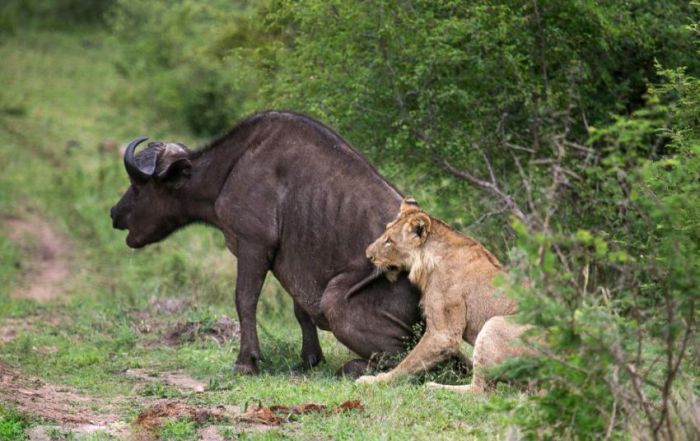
pixel 354 368
pixel 311 352
pixel 373 320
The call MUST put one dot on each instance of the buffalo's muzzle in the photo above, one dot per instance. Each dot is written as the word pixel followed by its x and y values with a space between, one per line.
pixel 117 221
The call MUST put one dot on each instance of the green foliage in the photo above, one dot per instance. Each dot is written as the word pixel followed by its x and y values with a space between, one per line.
pixel 12 425
pixel 179 430
pixel 436 81
pixel 51 13
pixel 180 53
pixel 619 306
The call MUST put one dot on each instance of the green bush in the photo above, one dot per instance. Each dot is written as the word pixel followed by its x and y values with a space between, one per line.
pixel 183 54
pixel 51 13
pixel 617 303
pixel 466 92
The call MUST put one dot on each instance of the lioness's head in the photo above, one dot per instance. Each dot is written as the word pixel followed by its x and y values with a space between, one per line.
pixel 396 247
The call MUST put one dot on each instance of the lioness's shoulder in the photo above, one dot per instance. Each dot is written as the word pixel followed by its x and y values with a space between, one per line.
pixel 450 238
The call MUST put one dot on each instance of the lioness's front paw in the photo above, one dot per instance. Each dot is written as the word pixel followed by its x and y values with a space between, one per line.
pixel 370 379
pixel 366 379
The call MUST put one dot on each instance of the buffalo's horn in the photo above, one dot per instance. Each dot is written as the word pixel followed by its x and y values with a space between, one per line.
pixel 132 168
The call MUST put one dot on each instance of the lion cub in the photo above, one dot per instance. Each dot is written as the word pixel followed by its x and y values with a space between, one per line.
pixel 454 273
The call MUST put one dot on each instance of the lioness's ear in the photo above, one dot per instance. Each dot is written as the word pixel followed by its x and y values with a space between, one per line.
pixel 419 225
pixel 408 204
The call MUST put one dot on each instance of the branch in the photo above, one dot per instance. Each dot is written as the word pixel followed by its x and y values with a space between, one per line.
pixel 488 186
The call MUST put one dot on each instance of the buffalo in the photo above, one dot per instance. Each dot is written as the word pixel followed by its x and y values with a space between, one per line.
pixel 291 197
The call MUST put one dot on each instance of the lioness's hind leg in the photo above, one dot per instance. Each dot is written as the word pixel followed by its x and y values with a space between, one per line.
pixel 462 388
pixel 497 341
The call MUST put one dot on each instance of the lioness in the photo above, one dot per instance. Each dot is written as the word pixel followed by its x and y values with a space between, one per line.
pixel 454 273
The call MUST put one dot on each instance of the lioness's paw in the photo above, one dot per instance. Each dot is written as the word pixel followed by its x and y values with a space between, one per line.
pixel 370 379
pixel 366 379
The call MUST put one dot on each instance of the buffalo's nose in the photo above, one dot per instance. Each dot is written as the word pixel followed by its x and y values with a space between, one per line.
pixel 116 222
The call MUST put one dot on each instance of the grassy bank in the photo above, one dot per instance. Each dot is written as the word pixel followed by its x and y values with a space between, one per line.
pixel 64 111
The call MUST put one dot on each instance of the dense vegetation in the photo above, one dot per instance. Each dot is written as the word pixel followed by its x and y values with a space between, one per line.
pixel 564 135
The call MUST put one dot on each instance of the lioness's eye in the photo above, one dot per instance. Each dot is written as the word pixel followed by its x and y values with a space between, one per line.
pixel 388 242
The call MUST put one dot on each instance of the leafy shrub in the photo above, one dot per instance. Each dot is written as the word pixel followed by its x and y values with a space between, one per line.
pixel 466 92
pixel 619 302
pixel 178 430
pixel 182 52
pixel 51 13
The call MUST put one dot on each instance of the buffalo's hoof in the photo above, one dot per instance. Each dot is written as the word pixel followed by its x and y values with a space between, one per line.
pixel 246 369
pixel 354 369
pixel 311 360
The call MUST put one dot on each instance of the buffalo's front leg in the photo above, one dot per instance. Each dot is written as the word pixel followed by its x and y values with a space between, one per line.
pixel 252 268
pixel 311 353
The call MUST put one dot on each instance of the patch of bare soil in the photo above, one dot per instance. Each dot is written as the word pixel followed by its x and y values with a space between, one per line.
pixel 223 330
pixel 172 378
pixel 156 322
pixel 70 431
pixel 209 433
pixel 48 253
pixel 54 403
pixel 10 328
pixel 169 305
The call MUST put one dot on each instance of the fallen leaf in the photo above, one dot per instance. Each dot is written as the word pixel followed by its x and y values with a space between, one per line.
pixel 260 415
pixel 349 405
pixel 153 417
pixel 298 410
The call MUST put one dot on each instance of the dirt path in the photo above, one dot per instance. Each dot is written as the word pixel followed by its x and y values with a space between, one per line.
pixel 46 257
pixel 51 402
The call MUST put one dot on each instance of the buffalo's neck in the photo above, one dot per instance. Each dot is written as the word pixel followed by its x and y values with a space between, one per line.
pixel 209 172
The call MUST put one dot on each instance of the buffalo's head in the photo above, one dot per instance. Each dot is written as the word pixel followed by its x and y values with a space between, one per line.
pixel 152 206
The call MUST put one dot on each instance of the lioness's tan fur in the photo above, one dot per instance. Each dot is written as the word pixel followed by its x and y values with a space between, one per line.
pixel 455 274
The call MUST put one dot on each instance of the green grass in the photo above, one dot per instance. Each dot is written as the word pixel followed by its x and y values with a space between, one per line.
pixel 64 98
pixel 179 430
pixel 12 425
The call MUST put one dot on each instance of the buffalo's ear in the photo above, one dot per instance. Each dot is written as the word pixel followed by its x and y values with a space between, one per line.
pixel 174 167
pixel 175 172
pixel 419 226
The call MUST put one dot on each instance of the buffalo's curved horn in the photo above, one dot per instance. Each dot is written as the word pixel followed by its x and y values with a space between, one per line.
pixel 132 168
